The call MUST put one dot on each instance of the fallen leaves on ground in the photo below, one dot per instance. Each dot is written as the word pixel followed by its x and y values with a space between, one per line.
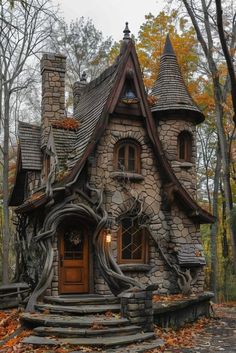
pixel 181 338
pixel 9 322
pixel 184 337
pixel 28 348
pixel 14 343
pixel 169 298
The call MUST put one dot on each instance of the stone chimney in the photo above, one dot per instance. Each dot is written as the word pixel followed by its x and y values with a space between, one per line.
pixel 53 68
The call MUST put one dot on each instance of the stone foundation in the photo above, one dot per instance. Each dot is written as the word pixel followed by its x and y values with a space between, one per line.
pixel 177 313
pixel 136 306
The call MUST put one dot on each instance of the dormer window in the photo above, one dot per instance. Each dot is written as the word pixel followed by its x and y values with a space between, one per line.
pixel 127 156
pixel 185 146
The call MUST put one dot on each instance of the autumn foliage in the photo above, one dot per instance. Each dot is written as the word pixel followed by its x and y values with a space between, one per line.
pixel 9 322
pixel 71 124
pixel 151 41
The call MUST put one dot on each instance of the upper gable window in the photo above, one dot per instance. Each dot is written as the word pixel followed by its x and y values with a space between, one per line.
pixel 185 146
pixel 127 156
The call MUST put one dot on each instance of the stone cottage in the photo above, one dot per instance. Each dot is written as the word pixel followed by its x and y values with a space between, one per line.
pixel 106 199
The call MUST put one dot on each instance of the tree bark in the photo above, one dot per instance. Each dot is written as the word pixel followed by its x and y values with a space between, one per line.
pixel 208 49
pixel 214 227
pixel 227 55
pixel 6 228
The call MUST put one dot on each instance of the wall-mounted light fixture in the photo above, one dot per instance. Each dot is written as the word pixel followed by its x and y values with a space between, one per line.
pixel 108 237
pixel 108 234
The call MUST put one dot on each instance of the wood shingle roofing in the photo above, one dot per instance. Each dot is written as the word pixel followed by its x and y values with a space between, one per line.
pixel 64 141
pixel 170 90
pixel 30 140
pixel 89 111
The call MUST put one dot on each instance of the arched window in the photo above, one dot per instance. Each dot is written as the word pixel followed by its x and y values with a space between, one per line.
pixel 127 156
pixel 132 242
pixel 185 146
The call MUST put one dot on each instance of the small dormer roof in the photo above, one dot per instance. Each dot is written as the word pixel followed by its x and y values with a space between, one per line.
pixel 170 91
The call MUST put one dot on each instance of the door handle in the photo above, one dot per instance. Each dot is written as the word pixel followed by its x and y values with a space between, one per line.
pixel 61 261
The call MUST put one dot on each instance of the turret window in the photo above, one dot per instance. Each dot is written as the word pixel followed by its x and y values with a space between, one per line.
pixel 185 146
pixel 127 156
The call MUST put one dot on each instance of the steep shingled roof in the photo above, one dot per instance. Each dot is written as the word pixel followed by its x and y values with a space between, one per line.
pixel 64 141
pixel 169 89
pixel 89 110
pixel 30 140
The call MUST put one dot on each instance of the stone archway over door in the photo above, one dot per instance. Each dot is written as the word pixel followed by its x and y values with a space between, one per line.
pixel 73 261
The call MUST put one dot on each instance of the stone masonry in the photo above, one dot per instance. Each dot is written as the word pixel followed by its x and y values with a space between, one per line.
pixel 136 306
pixel 172 234
pixel 168 131
pixel 53 69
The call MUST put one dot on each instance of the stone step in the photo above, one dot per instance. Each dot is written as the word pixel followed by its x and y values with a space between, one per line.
pixel 78 310
pixel 76 332
pixel 82 299
pixel 40 319
pixel 91 342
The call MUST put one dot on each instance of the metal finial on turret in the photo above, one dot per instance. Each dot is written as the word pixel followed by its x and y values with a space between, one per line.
pixel 83 78
pixel 126 31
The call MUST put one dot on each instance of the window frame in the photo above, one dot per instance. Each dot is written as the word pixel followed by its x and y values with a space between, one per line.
pixel 126 143
pixel 144 258
pixel 185 138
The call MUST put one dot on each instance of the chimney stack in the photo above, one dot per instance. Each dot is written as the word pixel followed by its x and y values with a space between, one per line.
pixel 53 68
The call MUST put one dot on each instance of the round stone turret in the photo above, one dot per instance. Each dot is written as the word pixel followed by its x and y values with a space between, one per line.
pixel 176 116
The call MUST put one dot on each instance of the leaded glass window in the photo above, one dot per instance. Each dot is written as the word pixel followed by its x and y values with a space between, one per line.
pixel 132 242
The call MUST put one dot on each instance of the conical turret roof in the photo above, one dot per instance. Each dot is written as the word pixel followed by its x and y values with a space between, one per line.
pixel 170 90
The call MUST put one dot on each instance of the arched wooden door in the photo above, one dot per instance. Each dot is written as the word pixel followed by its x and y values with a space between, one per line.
pixel 73 260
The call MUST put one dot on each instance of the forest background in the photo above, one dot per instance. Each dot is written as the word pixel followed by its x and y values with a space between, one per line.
pixel 203 34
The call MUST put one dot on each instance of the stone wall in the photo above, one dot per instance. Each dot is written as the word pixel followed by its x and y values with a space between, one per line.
pixel 171 229
pixel 168 131
pixel 136 306
pixel 176 314
pixel 171 234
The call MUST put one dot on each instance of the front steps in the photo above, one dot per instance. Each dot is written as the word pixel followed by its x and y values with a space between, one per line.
pixel 82 320
pixel 103 342
pixel 82 299
pixel 78 310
